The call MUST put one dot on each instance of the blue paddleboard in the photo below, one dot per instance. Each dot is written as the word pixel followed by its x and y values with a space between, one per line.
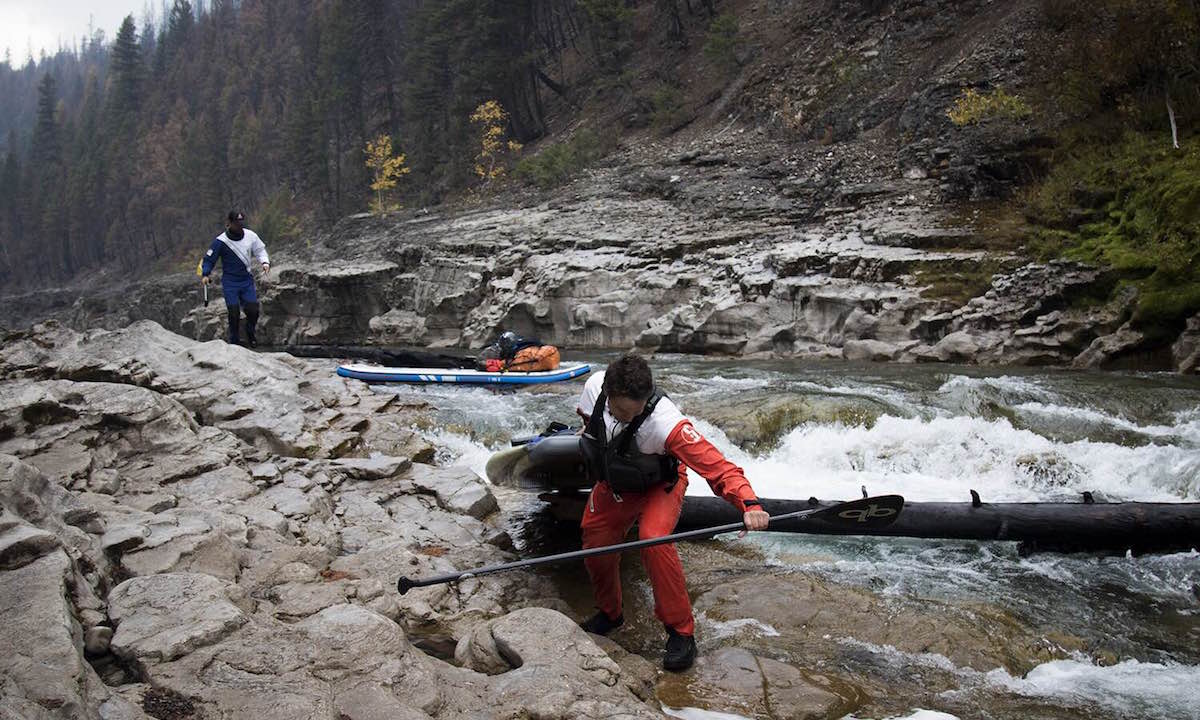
pixel 380 374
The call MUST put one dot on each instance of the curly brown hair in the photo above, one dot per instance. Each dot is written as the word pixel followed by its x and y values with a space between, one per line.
pixel 629 377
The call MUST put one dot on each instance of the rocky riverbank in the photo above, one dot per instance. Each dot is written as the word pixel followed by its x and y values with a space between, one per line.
pixel 816 202
pixel 747 249
pixel 194 530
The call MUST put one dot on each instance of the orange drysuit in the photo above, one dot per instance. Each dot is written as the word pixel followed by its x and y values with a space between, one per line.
pixel 608 517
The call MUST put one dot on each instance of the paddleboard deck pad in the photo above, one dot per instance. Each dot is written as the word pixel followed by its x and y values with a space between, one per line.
pixel 381 374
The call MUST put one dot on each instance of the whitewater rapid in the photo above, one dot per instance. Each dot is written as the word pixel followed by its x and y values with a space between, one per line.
pixel 939 433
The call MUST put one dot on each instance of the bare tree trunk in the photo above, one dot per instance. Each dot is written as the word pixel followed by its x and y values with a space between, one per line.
pixel 337 165
pixel 1174 129
pixel 674 23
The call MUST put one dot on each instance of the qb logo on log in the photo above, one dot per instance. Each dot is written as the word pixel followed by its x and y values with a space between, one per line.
pixel 867 513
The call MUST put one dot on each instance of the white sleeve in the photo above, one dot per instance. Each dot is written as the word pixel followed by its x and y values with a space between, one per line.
pixel 258 249
pixel 591 391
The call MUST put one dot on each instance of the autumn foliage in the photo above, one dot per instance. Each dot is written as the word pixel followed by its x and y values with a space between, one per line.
pixel 495 148
pixel 386 168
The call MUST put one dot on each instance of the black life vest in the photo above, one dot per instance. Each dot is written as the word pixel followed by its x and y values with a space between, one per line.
pixel 619 463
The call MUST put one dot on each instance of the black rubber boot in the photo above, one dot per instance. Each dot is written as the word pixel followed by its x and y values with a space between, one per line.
pixel 234 312
pixel 680 652
pixel 602 624
pixel 251 323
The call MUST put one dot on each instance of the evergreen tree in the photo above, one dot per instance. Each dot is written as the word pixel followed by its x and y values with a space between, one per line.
pixel 46 148
pixel 611 32
pixel 132 147
pixel 11 236
pixel 125 92
pixel 46 217
pixel 179 26
pixel 85 182
pixel 122 242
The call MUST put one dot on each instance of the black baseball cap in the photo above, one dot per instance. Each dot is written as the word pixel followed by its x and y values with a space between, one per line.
pixel 236 216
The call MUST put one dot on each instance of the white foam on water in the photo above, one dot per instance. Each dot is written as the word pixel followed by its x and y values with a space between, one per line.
pixel 1139 689
pixel 968 391
pixel 883 394
pixel 939 459
pixel 739 627
pixel 1169 577
pixel 917 714
pixel 1186 426
pixel 974 397
pixel 459 450
pixel 720 383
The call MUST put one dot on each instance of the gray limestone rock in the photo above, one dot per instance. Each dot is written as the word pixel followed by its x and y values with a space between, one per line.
pixel 732 680
pixel 958 346
pixel 873 350
pixel 1108 349
pixel 210 552
pixel 21 544
pixel 42 671
pixel 161 617
pixel 458 490
pixel 1186 349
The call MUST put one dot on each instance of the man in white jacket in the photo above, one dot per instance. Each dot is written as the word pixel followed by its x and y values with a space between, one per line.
pixel 239 249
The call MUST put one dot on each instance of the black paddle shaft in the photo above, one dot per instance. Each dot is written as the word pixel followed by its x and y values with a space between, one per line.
pixel 872 512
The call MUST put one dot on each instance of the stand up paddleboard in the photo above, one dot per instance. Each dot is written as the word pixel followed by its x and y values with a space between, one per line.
pixel 381 374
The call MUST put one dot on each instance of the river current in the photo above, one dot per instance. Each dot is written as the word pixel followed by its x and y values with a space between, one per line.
pixel 934 432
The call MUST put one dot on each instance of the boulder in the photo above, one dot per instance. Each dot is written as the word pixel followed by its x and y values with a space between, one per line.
pixel 458 490
pixel 733 680
pixel 162 617
pixel 544 663
pixel 1186 349
pixel 1109 349
pixel 819 616
pixel 42 671
pixel 873 350
pixel 21 544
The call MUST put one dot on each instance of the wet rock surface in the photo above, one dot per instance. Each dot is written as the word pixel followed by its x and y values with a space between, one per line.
pixel 736 681
pixel 190 529
pixel 826 616
pixel 160 560
pixel 196 530
pixel 1186 349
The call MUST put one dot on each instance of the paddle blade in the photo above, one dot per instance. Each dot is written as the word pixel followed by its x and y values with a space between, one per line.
pixel 871 512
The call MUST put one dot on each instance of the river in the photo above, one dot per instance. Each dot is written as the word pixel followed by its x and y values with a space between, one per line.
pixel 1125 630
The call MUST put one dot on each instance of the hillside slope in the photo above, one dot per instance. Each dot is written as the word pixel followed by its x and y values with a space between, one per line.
pixel 799 189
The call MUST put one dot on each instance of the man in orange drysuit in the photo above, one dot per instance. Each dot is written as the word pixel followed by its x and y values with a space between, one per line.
pixel 636 445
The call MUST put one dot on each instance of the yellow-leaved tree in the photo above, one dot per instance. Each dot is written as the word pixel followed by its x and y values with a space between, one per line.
pixel 386 167
pixel 494 146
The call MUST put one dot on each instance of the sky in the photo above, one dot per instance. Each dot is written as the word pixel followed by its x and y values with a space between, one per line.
pixel 41 24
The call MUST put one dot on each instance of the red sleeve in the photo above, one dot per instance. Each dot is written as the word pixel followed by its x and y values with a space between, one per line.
pixel 726 479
